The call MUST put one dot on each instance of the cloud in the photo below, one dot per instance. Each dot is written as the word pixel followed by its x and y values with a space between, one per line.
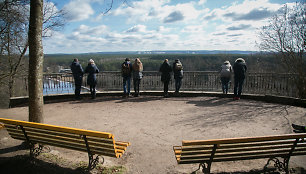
pixel 255 14
pixel 174 17
pixel 136 29
pixel 201 2
pixel 78 10
pixel 239 27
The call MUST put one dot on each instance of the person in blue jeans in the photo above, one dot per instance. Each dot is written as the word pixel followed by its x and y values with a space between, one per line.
pixel 126 71
pixel 240 69
pixel 225 74
pixel 178 75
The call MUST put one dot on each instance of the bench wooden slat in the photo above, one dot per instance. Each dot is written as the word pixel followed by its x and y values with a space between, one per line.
pixel 58 128
pixel 60 139
pixel 239 158
pixel 241 154
pixel 106 144
pixel 243 139
pixel 30 130
pixel 242 149
pixel 54 142
pixel 227 146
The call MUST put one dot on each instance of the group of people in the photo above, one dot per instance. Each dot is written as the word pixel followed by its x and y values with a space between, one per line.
pixel 78 72
pixel 134 70
pixel 239 69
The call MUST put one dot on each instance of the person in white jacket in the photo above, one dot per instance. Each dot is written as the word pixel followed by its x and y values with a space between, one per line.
pixel 225 74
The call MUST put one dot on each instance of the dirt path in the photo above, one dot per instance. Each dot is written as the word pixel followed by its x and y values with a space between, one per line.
pixel 154 124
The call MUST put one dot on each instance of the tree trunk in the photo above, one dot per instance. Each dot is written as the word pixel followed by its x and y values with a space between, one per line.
pixel 36 58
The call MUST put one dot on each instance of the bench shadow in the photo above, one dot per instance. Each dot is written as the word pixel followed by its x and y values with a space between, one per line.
pixel 27 165
pixel 297 170
pixel 22 146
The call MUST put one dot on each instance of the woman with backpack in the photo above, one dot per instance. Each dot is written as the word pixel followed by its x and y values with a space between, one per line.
pixel 137 75
pixel 178 75
pixel 225 74
pixel 165 69
pixel 92 69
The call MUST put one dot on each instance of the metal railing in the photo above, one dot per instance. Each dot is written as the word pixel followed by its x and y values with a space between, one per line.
pixel 202 81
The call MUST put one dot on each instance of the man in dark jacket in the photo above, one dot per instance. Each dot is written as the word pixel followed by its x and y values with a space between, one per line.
pixel 126 71
pixel 165 69
pixel 240 69
pixel 178 75
pixel 77 72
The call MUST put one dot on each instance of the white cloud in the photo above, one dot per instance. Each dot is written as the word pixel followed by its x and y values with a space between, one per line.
pixel 201 2
pixel 137 28
pixel 78 10
pixel 145 10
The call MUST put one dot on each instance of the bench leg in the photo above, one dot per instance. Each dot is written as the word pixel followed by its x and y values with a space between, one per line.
pixel 93 162
pixel 35 151
pixel 281 166
pixel 205 167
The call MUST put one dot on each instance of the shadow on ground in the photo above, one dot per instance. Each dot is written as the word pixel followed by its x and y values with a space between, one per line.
pixel 27 165
pixel 297 170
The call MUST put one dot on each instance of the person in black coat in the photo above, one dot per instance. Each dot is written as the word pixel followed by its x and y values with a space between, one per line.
pixel 165 69
pixel 240 69
pixel 92 69
pixel 77 72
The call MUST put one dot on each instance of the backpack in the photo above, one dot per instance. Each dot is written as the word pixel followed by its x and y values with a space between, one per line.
pixel 178 66
pixel 126 68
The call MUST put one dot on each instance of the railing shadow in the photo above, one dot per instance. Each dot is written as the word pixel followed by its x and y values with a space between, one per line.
pixel 27 165
pixel 118 99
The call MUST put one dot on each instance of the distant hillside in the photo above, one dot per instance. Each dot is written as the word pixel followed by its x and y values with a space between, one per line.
pixel 177 52
pixel 192 62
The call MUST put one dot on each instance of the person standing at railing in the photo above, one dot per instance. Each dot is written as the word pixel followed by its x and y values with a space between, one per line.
pixel 240 69
pixel 165 69
pixel 92 69
pixel 137 75
pixel 126 71
pixel 77 72
pixel 178 75
pixel 225 74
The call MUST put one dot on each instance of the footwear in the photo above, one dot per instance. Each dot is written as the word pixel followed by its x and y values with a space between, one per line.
pixel 299 128
pixel 236 98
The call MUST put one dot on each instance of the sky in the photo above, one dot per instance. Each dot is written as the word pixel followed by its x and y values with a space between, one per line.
pixel 147 25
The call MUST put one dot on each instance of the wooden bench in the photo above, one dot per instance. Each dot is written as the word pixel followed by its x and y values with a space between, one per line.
pixel 92 142
pixel 205 152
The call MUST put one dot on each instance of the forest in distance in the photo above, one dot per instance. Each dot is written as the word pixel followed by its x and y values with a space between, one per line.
pixel 191 62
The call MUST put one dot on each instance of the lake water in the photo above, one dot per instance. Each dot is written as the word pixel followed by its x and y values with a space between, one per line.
pixel 59 87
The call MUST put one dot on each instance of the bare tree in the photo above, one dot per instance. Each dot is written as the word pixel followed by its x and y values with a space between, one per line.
pixel 36 55
pixel 286 36
pixel 14 27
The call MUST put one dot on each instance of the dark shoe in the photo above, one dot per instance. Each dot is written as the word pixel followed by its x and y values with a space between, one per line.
pixel 299 128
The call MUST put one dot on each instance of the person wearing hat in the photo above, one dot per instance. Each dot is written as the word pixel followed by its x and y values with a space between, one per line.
pixel 126 71
pixel 178 75
pixel 165 69
pixel 225 74
pixel 92 69
pixel 240 69
pixel 77 72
